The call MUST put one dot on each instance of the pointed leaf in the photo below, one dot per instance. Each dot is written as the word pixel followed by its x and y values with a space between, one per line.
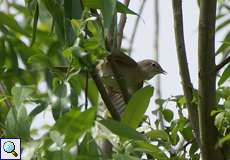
pixel 225 76
pixel 20 93
pixel 122 130
pixel 151 149
pixel 137 107
pixel 35 22
pixel 11 23
pixel 74 123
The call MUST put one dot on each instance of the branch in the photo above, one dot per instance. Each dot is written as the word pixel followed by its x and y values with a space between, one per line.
pixel 207 81
pixel 156 55
pixel 121 26
pixel 183 66
pixel 115 115
pixel 136 26
pixel 222 64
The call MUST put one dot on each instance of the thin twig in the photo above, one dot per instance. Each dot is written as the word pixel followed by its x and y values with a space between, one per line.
pixel 121 27
pixel 222 64
pixel 183 66
pixel 156 57
pixel 136 26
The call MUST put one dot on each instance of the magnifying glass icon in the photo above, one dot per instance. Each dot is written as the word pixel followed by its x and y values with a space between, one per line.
pixel 9 147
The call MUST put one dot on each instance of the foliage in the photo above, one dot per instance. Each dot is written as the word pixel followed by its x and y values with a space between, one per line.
pixel 56 44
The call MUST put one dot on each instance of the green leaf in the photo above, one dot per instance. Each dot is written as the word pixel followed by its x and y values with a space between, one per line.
pixel 227 104
pixel 219 120
pixel 18 123
pixel 61 90
pixel 57 138
pixel 58 155
pixel 20 8
pixel 150 149
pixel 122 130
pixel 88 147
pixel 9 21
pixel 137 107
pixel 40 61
pixel 223 24
pixel 57 12
pixel 187 133
pixel 93 93
pixel 177 126
pixel 35 22
pixel 74 123
pixel 108 12
pixel 225 75
pixel 224 140
pixel 168 115
pixel 21 93
pixel 124 9
pixel 120 7
pixel 38 109
pixel 156 134
pixel 124 157
pixel 193 149
pixel 73 10
pixel 224 46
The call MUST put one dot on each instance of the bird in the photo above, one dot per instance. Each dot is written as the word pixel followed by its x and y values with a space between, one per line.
pixel 134 74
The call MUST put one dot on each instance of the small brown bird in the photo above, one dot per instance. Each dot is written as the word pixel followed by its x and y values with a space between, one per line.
pixel 134 73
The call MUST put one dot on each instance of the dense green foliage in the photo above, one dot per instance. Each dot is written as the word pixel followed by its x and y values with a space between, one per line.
pixel 58 43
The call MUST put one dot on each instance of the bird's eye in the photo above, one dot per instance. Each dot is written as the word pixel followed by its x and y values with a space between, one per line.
pixel 153 65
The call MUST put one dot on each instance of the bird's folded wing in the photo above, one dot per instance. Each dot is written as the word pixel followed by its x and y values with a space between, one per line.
pixel 123 59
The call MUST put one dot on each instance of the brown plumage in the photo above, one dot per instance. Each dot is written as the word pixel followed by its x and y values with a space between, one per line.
pixel 134 73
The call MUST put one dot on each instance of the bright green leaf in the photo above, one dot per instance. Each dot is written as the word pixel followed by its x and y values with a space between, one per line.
pixel 58 155
pixel 35 22
pixel 225 76
pixel 224 140
pixel 11 23
pixel 74 123
pixel 156 134
pixel 61 90
pixel 108 11
pixel 137 107
pixel 56 10
pixel 93 93
pixel 223 24
pixel 88 147
pixel 18 123
pixel 187 133
pixel 224 46
pixel 168 115
pixel 124 9
pixel 21 93
pixel 98 5
pixel 150 149
pixel 40 60
pixel 122 130
pixel 219 120
pixel 124 157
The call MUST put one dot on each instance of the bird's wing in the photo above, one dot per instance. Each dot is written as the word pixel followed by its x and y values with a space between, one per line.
pixel 123 59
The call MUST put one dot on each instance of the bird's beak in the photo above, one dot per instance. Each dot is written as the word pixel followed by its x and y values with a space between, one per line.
pixel 163 72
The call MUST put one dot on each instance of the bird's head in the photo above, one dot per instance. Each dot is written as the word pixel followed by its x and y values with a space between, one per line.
pixel 150 68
